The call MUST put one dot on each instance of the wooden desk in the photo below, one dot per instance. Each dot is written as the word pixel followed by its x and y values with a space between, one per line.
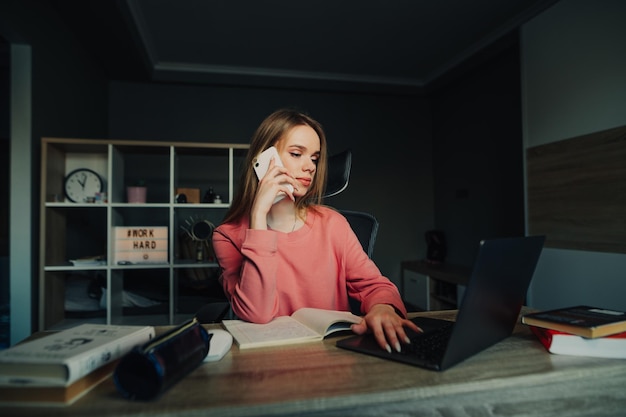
pixel 516 377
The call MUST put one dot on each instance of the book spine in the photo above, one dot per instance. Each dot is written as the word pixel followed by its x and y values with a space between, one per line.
pixel 89 361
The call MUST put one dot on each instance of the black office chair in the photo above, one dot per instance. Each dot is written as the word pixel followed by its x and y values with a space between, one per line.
pixel 338 173
pixel 365 227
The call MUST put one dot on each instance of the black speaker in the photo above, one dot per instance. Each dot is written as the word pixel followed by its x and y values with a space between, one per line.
pixel 436 246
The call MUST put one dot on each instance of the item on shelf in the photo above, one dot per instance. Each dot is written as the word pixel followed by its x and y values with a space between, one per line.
pixel 140 245
pixel 200 231
pixel 101 198
pixel 192 195
pixel 82 184
pixel 584 321
pixel 209 196
pixel 436 249
pixel 89 261
pixel 138 193
pixel 562 343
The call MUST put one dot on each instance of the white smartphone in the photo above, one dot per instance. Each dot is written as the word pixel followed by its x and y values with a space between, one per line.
pixel 262 163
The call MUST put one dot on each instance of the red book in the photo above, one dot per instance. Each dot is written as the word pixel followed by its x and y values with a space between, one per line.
pixel 561 343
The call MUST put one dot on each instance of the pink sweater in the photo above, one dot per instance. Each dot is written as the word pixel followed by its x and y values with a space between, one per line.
pixel 267 274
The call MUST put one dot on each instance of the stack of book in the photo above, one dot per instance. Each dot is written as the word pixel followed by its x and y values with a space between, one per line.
pixel 580 331
pixel 60 367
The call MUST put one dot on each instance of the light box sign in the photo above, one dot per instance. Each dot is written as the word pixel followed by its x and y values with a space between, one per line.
pixel 140 245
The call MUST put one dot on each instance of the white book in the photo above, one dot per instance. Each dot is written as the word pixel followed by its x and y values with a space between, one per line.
pixel 61 358
pixel 561 343
pixel 304 325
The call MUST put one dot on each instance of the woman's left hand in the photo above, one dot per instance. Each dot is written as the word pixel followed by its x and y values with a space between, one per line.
pixel 387 326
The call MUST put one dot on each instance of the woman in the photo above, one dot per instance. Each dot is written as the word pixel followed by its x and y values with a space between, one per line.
pixel 279 257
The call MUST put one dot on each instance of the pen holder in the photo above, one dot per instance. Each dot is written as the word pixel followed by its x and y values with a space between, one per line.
pixel 149 370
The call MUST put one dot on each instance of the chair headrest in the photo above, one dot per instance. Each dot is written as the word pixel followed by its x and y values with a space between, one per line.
pixel 338 172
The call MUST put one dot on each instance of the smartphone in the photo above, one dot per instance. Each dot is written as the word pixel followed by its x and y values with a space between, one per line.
pixel 262 163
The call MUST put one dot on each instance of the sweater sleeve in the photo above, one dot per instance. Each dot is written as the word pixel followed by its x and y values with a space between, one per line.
pixel 365 282
pixel 248 275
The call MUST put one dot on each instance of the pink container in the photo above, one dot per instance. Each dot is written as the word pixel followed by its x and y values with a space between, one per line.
pixel 136 194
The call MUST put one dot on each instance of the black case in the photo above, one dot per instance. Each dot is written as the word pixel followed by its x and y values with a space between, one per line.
pixel 149 370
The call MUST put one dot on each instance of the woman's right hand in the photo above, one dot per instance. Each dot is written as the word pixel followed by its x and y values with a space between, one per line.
pixel 270 186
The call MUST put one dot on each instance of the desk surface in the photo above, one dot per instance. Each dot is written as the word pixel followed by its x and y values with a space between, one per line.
pixel 513 378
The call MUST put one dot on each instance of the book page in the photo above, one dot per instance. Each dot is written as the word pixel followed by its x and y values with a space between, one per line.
pixel 281 330
pixel 325 322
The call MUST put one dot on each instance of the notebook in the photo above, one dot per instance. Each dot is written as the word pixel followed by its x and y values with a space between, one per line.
pixel 488 312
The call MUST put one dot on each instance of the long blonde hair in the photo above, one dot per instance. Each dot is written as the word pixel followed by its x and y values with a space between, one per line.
pixel 269 132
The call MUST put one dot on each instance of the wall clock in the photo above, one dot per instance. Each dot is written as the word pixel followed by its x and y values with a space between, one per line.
pixel 82 183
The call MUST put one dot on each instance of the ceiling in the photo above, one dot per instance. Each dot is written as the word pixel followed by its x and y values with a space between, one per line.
pixel 360 45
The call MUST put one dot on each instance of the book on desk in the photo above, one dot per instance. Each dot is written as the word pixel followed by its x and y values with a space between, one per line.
pixel 562 343
pixel 583 321
pixel 61 366
pixel 304 325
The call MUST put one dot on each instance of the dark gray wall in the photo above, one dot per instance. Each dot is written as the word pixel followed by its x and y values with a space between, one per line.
pixel 478 155
pixel 69 99
pixel 389 136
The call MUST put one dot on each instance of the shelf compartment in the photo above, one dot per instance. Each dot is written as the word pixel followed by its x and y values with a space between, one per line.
pixel 139 295
pixel 202 169
pixel 198 222
pixel 74 296
pixel 74 233
pixel 134 165
pixel 195 288
pixel 60 157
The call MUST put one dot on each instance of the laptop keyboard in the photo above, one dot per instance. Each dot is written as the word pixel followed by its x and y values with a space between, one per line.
pixel 429 346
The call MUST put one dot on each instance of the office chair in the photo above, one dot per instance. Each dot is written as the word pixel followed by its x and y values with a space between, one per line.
pixel 338 173
pixel 365 227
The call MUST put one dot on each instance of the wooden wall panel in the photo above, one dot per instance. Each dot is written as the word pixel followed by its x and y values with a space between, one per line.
pixel 577 192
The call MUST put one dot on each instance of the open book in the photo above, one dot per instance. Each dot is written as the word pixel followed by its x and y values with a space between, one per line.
pixel 304 325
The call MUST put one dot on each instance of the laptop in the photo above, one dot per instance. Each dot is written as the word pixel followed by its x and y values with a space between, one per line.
pixel 488 312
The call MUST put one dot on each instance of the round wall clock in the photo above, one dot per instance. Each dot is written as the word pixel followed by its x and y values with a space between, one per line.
pixel 82 183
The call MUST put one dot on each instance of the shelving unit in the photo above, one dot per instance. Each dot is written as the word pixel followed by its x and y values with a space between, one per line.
pixel 155 293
